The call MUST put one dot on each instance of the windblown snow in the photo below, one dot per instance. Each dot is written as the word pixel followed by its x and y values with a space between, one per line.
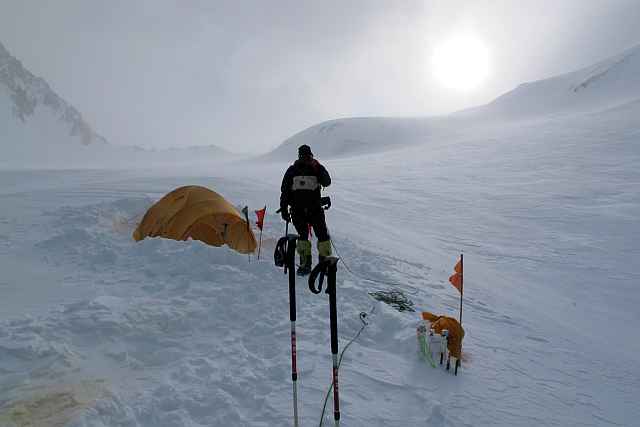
pixel 98 330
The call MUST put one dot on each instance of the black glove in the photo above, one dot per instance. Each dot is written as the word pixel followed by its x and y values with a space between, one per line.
pixel 284 212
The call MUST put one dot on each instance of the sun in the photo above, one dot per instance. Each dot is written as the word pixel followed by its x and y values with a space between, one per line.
pixel 461 63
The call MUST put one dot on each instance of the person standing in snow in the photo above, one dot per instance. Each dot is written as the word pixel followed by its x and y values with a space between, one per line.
pixel 300 189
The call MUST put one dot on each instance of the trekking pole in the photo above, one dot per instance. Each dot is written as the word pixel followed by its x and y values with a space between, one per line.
pixel 285 256
pixel 333 320
pixel 291 257
pixel 330 267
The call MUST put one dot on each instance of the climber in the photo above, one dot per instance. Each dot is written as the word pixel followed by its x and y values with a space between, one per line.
pixel 300 189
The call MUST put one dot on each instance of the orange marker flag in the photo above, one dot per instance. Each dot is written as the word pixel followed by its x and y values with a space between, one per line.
pixel 458 267
pixel 456 281
pixel 456 278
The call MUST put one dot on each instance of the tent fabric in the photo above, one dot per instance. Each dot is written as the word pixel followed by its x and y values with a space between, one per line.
pixel 200 214
pixel 456 333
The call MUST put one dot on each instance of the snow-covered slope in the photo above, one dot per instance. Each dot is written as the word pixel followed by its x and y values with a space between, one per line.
pixel 603 86
pixel 101 331
pixel 353 136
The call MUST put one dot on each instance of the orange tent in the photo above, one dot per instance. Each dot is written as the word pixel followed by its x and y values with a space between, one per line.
pixel 200 214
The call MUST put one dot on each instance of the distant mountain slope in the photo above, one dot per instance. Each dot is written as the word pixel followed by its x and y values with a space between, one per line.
pixel 28 106
pixel 609 84
pixel 353 136
pixel 183 156
pixel 39 129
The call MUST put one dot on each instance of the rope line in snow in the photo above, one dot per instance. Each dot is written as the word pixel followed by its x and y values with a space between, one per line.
pixel 363 316
pixel 368 279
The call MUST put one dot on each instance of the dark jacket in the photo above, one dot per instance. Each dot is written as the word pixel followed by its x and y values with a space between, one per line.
pixel 301 185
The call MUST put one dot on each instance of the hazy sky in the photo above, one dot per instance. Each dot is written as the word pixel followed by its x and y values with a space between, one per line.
pixel 246 75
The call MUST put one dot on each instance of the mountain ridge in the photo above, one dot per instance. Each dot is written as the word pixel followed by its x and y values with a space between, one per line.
pixel 42 130
pixel 29 93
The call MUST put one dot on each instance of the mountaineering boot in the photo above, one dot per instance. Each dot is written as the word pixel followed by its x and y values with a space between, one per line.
pixel 304 249
pixel 305 265
pixel 324 250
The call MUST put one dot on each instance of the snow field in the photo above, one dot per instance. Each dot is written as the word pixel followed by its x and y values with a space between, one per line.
pixel 178 333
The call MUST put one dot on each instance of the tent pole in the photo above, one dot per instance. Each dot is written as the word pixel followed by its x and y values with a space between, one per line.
pixel 458 363
pixel 461 285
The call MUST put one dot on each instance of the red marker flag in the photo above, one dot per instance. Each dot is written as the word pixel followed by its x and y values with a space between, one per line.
pixel 260 214
pixel 456 278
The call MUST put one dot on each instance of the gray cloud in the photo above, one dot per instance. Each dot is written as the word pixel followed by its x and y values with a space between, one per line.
pixel 245 75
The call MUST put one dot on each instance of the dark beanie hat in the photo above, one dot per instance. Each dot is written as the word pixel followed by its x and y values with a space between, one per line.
pixel 304 150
